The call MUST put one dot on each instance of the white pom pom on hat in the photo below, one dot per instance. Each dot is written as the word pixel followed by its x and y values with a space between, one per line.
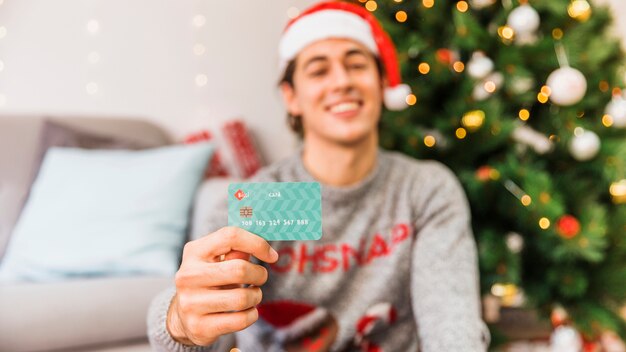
pixel 337 19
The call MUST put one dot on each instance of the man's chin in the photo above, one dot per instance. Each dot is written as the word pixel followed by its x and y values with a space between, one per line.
pixel 353 140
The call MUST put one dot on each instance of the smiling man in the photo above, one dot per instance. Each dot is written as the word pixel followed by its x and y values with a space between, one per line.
pixel 396 268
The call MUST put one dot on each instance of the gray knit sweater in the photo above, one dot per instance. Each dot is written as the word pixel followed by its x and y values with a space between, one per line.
pixel 396 269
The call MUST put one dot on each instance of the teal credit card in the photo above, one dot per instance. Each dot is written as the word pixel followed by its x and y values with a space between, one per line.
pixel 277 211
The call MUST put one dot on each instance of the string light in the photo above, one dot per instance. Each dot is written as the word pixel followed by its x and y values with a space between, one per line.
pixel 603 86
pixel 462 6
pixel 401 16
pixel 524 114
pixel 201 80
pixel 542 98
pixel 544 223
pixel 93 26
pixel 526 200
pixel 460 133
pixel 557 33
pixel 579 10
pixel 411 99
pixel 490 86
pixel 424 68
pixel 199 20
pixel 607 120
pixel 458 66
pixel 199 49
pixel 506 32
pixel 578 131
pixel 618 191
pixel 501 290
pixel 91 88
pixel 428 3
pixel 93 57
pixel 429 141
pixel 473 120
pixel 371 5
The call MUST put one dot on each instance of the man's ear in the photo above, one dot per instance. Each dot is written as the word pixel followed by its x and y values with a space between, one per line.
pixel 289 99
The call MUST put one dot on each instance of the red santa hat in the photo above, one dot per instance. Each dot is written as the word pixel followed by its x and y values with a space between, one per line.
pixel 336 19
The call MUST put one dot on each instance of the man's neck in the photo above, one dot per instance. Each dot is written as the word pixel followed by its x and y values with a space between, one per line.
pixel 340 165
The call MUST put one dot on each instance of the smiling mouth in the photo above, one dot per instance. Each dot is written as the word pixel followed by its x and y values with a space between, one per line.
pixel 344 107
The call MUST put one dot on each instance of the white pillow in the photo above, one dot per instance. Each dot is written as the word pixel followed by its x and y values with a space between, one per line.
pixel 106 212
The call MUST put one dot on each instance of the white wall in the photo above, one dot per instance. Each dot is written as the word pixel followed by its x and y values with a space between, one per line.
pixel 147 66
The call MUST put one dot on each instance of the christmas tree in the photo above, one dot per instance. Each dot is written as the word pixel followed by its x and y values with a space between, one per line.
pixel 523 100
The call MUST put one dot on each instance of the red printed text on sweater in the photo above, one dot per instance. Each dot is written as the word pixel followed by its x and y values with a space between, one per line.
pixel 327 258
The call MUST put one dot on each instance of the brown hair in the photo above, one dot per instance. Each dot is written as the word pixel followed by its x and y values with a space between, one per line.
pixel 295 122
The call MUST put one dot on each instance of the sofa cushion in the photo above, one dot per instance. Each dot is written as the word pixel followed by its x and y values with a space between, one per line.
pixel 102 212
pixel 64 315
pixel 211 206
pixel 20 153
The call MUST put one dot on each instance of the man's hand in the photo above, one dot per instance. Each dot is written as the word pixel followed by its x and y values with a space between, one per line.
pixel 211 299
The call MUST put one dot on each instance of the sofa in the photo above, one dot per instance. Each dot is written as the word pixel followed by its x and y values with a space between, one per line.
pixel 85 314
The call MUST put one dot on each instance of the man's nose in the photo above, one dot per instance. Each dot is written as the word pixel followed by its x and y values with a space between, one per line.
pixel 340 77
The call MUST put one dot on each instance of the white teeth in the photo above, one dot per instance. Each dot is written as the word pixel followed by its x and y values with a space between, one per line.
pixel 344 107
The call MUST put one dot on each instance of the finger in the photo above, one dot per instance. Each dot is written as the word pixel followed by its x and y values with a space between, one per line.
pixel 210 275
pixel 231 238
pixel 221 301
pixel 236 255
pixel 220 324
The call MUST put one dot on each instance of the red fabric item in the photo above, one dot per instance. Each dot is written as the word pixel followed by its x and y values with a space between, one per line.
pixel 386 48
pixel 216 168
pixel 283 313
pixel 244 153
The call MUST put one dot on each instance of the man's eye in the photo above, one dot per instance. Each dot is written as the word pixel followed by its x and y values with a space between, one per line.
pixel 317 73
pixel 358 66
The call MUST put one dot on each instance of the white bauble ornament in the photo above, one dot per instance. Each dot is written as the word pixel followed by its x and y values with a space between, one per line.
pixel 527 136
pixel 479 66
pixel 479 93
pixel 524 20
pixel 585 145
pixel 565 339
pixel 496 77
pixel 616 108
pixel 515 242
pixel 520 85
pixel 526 39
pixel 481 4
pixel 567 86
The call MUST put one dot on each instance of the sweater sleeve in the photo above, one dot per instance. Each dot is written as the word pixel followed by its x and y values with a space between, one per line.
pixel 444 280
pixel 160 339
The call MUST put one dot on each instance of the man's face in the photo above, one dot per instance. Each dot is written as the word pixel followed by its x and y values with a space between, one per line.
pixel 337 90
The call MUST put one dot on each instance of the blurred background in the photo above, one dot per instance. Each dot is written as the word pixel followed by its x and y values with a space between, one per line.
pixel 549 218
